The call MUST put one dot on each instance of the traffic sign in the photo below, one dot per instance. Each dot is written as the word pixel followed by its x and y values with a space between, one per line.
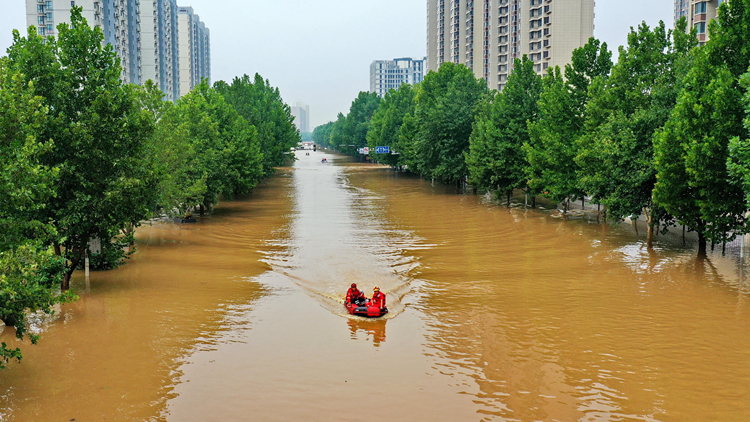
pixel 383 150
pixel 367 150
pixel 361 150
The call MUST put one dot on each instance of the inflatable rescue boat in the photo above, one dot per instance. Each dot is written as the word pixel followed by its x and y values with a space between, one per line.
pixel 364 310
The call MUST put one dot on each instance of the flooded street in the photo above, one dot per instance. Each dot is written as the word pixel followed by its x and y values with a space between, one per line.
pixel 497 314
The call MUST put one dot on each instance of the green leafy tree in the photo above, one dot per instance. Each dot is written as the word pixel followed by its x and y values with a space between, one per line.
pixel 692 152
pixel 99 133
pixel 29 271
pixel 262 106
pixel 387 122
pixel 171 155
pixel 224 151
pixel 496 158
pixel 322 134
pixel 616 153
pixel 552 146
pixel 349 132
pixel 445 107
pixel 738 163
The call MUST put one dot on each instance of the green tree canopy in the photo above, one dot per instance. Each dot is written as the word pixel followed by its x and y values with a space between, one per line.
pixel 262 106
pixel 446 105
pixel 29 271
pixel 553 146
pixel 616 154
pixel 99 135
pixel 387 121
pixel 496 159
pixel 692 152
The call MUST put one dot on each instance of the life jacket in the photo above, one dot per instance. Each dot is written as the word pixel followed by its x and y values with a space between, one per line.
pixel 353 294
pixel 378 299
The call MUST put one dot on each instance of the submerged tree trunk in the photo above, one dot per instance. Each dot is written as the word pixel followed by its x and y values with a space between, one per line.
pixel 202 210
pixel 701 244
pixel 650 223
pixel 533 201
pixel 509 194
pixel 77 256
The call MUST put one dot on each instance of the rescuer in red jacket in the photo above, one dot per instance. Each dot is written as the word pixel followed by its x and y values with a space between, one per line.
pixel 354 295
pixel 378 298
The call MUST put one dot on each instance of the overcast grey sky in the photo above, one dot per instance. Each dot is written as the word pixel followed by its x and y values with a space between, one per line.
pixel 319 51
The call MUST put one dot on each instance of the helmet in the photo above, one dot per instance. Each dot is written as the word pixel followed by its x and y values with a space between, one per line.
pixel 377 289
pixel 354 285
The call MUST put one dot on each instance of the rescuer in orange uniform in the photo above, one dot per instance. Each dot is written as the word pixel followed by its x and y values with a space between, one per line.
pixel 354 295
pixel 378 298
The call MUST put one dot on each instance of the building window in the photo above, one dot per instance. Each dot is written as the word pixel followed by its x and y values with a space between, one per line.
pixel 40 20
pixel 48 5
pixel 42 31
pixel 49 16
pixel 701 27
pixel 700 7
pixel 40 8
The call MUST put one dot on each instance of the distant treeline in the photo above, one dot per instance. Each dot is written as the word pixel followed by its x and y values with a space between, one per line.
pixel 85 156
pixel 662 133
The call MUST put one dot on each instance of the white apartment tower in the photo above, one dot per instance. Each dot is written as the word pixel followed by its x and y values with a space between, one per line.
pixel 160 59
pixel 118 19
pixel 698 14
pixel 195 50
pixel 390 74
pixel 487 35
pixel 301 113
pixel 145 34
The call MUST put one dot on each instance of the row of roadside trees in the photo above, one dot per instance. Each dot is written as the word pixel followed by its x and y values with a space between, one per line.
pixel 85 156
pixel 661 133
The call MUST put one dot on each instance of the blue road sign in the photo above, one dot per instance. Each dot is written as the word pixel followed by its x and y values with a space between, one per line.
pixel 383 150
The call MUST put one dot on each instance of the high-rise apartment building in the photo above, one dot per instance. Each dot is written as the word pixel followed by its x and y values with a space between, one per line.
pixel 487 35
pixel 161 46
pixel 301 113
pixel 698 14
pixel 145 34
pixel 390 74
pixel 118 19
pixel 195 50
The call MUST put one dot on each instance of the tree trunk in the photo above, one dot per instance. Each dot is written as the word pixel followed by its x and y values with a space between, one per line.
pixel 78 255
pixel 583 203
pixel 202 210
pixel 701 244
pixel 650 233
pixel 533 201
pixel 510 193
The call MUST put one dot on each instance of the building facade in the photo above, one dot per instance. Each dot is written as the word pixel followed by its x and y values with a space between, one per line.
pixel 195 50
pixel 145 34
pixel 161 46
pixel 390 74
pixel 118 19
pixel 698 14
pixel 301 113
pixel 487 35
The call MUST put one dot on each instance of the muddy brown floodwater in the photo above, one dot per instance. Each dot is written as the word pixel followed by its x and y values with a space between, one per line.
pixel 497 314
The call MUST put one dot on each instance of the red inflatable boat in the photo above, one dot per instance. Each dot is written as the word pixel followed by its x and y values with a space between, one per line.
pixel 365 310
